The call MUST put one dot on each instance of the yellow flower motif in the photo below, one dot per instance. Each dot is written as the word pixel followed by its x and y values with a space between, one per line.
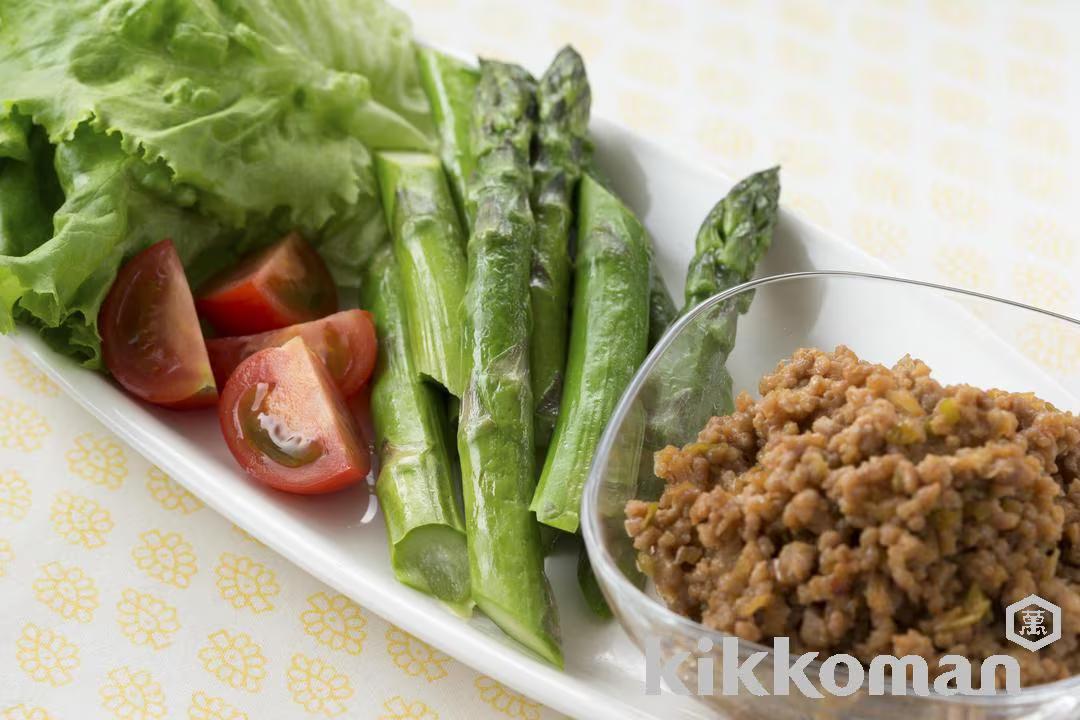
pixel 964 266
pixel 807 111
pixel 23 372
pixel 1035 78
pixel 133 695
pixel 884 185
pixel 398 708
pixel 170 494
pixel 958 205
pixel 642 112
pixel 1052 345
pixel 960 61
pixel 878 33
pixel 67 591
pixel 726 139
pixel 46 656
pixel 1043 287
pixel 99 459
pixel 1038 36
pixel 6 556
pixel 415 656
pixel 335 621
pixel 882 83
pixel 805 157
pixel 167 557
pixel 246 583
pixel 648 15
pixel 506 701
pixel 21 426
pixel 881 130
pixel 799 57
pixel 649 66
pixel 234 659
pixel 812 17
pixel 960 156
pixel 958 106
pixel 1041 133
pixel 146 619
pixel 25 712
pixel 720 86
pixel 960 13
pixel 880 236
pixel 80 520
pixel 317 686
pixel 15 495
pixel 1040 182
pixel 1044 236
pixel 205 707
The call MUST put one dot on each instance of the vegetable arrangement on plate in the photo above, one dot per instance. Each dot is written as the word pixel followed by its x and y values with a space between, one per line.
pixel 186 196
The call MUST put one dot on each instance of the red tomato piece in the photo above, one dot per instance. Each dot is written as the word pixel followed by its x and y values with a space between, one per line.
pixel 287 424
pixel 281 285
pixel 344 341
pixel 150 336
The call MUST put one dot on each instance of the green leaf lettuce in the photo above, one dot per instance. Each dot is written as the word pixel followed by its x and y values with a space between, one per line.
pixel 218 123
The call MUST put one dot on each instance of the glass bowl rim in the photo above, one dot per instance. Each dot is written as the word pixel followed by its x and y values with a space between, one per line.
pixel 605 565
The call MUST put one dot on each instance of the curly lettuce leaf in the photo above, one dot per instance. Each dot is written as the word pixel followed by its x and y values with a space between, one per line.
pixel 106 216
pixel 218 123
pixel 256 116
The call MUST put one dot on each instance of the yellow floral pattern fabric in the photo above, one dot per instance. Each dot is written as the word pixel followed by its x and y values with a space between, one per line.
pixel 67 591
pixel 99 459
pixel 936 135
pixel 234 659
pixel 133 695
pixel 245 583
pixel 167 557
pixel 146 619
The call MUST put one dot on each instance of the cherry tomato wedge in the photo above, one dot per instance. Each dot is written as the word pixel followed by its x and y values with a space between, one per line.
pixel 344 341
pixel 150 336
pixel 281 285
pixel 287 424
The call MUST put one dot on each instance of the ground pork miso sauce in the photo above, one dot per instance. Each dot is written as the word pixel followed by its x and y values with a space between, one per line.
pixel 861 509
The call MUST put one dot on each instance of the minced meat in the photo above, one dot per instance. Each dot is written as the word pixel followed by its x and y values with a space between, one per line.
pixel 867 510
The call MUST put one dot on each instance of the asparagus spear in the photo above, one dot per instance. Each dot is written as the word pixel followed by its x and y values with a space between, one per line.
pixel 590 588
pixel 662 310
pixel 430 249
pixel 609 337
pixel 562 149
pixel 732 239
pixel 734 236
pixel 495 430
pixel 450 86
pixel 415 488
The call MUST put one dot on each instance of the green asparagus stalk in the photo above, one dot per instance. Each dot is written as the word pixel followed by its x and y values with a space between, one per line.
pixel 562 149
pixel 450 86
pixel 415 484
pixel 734 237
pixel 590 588
pixel 495 430
pixel 662 310
pixel 609 337
pixel 430 248
pixel 693 377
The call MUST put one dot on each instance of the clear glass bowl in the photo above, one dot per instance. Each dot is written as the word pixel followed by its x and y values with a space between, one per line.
pixel 962 336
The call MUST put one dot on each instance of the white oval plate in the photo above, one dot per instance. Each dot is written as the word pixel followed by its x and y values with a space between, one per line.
pixel 604 674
